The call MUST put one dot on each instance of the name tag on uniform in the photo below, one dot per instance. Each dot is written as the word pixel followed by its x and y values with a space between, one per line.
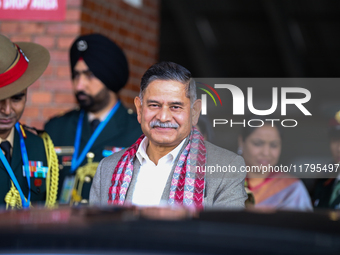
pixel 37 169
pixel 110 150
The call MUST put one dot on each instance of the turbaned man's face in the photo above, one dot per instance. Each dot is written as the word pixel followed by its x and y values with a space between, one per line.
pixel 92 95
pixel 165 115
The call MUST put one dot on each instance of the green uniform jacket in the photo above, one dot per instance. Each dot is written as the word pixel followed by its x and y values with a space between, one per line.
pixel 36 152
pixel 121 131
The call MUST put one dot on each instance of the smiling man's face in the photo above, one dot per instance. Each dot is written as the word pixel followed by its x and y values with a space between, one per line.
pixel 11 110
pixel 165 103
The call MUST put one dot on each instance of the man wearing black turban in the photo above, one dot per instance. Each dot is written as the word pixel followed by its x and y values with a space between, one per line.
pixel 102 125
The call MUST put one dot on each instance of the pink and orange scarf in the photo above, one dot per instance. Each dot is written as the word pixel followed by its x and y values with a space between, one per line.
pixel 187 185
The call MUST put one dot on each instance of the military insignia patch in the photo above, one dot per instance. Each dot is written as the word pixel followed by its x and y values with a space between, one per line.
pixel 64 150
pixel 37 169
pixel 37 182
pixel 66 160
pixel 82 45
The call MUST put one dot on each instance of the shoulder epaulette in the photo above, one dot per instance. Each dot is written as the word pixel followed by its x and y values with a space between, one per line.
pixel 30 129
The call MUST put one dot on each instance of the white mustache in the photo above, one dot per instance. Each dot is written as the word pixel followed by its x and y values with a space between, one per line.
pixel 157 123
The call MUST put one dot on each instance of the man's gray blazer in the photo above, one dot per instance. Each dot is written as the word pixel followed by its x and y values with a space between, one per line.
pixel 222 189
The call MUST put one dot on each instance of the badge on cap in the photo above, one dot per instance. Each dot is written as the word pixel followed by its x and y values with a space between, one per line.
pixel 82 45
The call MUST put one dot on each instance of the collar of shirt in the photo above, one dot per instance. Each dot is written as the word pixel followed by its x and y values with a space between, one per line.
pixel 143 156
pixel 10 139
pixel 91 116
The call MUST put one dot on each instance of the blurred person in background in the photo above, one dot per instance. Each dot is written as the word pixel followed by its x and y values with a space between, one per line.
pixel 28 163
pixel 326 193
pixel 261 146
pixel 204 125
pixel 102 125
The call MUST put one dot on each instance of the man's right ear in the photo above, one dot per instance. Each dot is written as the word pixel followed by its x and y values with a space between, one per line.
pixel 138 105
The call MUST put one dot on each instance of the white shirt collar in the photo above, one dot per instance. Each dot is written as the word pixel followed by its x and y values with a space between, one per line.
pixel 9 138
pixel 142 155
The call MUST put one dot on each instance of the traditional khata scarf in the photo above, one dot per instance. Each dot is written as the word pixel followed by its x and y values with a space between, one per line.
pixel 187 187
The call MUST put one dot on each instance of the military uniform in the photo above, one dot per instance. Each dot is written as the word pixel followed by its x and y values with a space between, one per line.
pixel 27 161
pixel 323 192
pixel 36 153
pixel 121 131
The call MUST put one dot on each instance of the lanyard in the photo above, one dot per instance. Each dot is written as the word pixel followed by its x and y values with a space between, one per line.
pixel 25 204
pixel 77 161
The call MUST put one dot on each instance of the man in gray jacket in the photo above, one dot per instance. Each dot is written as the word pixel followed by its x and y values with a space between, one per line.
pixel 170 164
